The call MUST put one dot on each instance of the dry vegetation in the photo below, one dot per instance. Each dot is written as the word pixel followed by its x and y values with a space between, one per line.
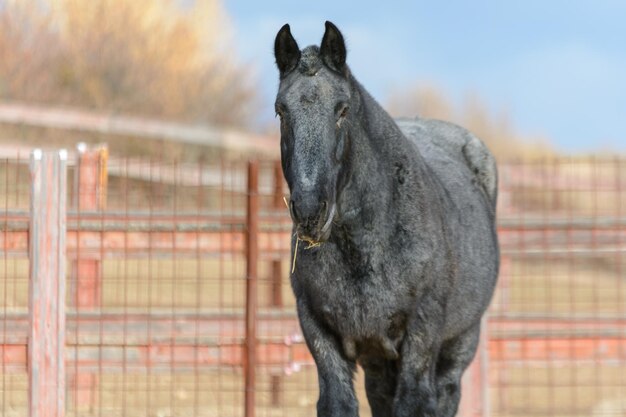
pixel 157 59
pixel 494 127
pixel 142 57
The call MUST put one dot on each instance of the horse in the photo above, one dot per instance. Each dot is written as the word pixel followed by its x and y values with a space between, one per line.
pixel 395 252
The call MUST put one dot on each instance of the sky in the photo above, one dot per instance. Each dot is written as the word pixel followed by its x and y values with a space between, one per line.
pixel 557 67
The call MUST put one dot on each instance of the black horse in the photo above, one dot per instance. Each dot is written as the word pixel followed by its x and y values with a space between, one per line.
pixel 395 239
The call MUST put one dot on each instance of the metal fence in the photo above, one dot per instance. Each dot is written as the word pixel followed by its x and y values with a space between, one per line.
pixel 177 298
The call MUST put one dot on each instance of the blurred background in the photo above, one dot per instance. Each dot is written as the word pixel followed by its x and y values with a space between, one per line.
pixel 531 79
pixel 163 103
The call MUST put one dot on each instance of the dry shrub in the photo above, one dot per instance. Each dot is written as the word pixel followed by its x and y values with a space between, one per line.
pixel 493 127
pixel 143 57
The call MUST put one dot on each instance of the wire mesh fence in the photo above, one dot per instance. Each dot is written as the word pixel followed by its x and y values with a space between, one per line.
pixel 558 321
pixel 14 195
pixel 161 319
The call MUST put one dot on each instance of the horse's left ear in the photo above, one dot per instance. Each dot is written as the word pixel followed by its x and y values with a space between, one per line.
pixel 333 48
pixel 286 51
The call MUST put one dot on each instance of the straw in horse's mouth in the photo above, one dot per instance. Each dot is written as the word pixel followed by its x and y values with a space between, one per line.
pixel 312 242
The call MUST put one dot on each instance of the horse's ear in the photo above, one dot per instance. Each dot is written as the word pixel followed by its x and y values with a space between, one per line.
pixel 333 48
pixel 286 51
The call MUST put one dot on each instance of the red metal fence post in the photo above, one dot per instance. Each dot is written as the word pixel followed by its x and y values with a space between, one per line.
pixel 47 249
pixel 278 203
pixel 90 196
pixel 90 184
pixel 276 287
pixel 252 253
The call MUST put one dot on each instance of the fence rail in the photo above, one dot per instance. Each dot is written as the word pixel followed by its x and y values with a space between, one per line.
pixel 89 121
pixel 180 285
pixel 138 234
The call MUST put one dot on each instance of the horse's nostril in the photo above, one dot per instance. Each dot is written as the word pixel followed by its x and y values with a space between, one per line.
pixel 308 212
pixel 293 209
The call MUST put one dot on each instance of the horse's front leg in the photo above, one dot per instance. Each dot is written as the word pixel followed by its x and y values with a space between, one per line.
pixel 416 390
pixel 335 371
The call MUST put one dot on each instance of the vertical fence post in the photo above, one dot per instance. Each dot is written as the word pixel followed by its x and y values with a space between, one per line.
pixel 47 249
pixel 276 287
pixel 475 385
pixel 252 249
pixel 90 192
pixel 483 351
pixel 278 204
pixel 90 196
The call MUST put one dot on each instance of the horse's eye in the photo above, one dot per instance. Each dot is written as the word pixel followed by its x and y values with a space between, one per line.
pixel 279 112
pixel 341 110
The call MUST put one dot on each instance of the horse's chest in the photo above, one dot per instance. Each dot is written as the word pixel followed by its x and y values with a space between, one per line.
pixel 354 307
pixel 366 312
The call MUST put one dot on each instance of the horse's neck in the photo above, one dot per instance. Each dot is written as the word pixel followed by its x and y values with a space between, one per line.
pixel 386 144
pixel 381 154
pixel 382 131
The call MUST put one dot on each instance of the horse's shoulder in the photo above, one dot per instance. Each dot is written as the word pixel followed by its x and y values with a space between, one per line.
pixel 443 144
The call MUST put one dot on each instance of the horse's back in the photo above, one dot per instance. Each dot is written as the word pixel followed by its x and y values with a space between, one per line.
pixel 454 154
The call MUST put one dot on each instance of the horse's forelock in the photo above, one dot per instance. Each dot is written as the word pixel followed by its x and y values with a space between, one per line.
pixel 310 61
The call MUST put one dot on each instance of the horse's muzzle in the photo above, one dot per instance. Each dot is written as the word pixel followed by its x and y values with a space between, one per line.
pixel 313 218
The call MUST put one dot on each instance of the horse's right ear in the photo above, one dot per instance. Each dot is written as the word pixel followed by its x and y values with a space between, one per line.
pixel 286 51
pixel 333 48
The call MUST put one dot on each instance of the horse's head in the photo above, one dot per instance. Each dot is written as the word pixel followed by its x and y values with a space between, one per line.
pixel 313 105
